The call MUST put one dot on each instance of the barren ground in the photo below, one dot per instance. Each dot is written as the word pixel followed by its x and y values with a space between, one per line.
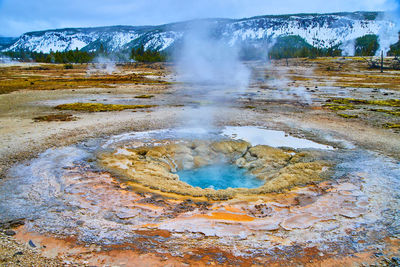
pixel 299 98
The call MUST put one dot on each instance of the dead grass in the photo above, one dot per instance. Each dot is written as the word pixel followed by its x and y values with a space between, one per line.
pixel 354 72
pixel 391 112
pixel 392 125
pixel 300 78
pixel 99 107
pixel 144 96
pixel 54 76
pixel 339 107
pixel 386 102
pixel 55 117
pixel 347 116
pixel 249 107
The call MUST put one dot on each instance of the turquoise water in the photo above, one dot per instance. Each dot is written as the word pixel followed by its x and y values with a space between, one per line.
pixel 219 177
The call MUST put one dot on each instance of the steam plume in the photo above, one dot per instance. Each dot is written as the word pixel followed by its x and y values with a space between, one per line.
pixel 102 65
pixel 211 68
pixel 390 35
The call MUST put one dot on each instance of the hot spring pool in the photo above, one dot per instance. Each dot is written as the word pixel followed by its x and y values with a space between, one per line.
pixel 68 191
pixel 220 176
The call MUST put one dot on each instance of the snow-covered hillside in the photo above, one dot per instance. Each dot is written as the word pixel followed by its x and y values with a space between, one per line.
pixel 320 30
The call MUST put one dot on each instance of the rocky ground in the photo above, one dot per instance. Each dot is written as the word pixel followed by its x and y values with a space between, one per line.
pixel 155 166
pixel 324 100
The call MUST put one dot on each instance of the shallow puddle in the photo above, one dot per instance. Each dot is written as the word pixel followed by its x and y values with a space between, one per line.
pixel 260 136
pixel 252 134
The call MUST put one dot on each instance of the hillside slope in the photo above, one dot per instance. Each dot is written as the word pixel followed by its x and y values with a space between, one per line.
pixel 318 30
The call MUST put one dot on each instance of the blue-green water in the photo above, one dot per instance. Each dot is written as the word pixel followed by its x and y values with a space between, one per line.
pixel 219 177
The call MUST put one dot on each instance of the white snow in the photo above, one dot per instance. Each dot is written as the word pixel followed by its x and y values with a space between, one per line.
pixel 322 31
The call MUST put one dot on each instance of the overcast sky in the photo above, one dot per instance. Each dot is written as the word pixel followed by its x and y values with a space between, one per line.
pixel 19 16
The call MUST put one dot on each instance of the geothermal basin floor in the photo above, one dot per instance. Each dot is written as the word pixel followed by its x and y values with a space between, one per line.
pixel 90 216
pixel 68 201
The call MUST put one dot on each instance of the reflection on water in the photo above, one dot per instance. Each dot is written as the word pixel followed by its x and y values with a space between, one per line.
pixel 260 136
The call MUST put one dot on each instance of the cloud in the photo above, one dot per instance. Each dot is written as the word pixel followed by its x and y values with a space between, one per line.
pixel 19 16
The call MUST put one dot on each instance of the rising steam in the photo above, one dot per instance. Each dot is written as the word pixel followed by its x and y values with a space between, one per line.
pixel 212 70
pixel 348 48
pixel 390 35
pixel 102 65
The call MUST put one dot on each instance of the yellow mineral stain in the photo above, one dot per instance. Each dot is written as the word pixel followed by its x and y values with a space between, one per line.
pixel 227 217
pixel 149 225
pixel 148 206
pixel 232 209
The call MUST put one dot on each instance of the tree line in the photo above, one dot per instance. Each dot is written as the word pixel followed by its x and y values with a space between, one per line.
pixel 283 47
pixel 296 47
pixel 71 56
pixel 141 55
pixel 138 54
